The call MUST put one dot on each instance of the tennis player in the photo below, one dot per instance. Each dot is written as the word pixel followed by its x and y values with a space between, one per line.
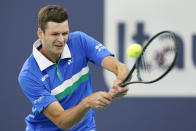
pixel 57 80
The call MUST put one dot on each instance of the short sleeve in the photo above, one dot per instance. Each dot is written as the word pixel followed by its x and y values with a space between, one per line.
pixel 94 50
pixel 36 93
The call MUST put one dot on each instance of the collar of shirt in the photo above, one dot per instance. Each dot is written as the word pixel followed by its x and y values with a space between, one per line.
pixel 42 61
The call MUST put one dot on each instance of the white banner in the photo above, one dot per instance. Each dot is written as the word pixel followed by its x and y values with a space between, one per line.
pixel 131 21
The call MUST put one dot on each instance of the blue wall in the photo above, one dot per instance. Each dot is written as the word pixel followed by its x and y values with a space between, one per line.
pixel 18 32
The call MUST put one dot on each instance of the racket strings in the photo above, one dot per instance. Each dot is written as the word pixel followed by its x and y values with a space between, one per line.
pixel 157 57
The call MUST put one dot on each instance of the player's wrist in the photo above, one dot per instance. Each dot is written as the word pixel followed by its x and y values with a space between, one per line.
pixel 85 103
pixel 123 71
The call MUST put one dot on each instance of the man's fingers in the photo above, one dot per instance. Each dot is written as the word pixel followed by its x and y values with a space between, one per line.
pixel 120 89
pixel 117 91
pixel 107 96
pixel 99 100
pixel 104 102
pixel 125 89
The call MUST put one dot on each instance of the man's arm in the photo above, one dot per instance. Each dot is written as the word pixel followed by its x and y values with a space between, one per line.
pixel 66 119
pixel 120 70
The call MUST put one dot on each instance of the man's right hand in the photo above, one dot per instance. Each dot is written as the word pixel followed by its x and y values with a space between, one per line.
pixel 98 100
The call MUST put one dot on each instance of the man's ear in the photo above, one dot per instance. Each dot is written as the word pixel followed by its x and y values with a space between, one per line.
pixel 40 33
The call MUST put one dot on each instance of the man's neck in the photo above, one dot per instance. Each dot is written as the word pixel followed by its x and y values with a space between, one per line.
pixel 52 58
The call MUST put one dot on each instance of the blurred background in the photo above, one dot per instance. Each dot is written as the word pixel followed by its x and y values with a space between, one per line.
pixel 169 105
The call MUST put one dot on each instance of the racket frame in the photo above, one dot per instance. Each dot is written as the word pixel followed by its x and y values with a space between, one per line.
pixel 126 81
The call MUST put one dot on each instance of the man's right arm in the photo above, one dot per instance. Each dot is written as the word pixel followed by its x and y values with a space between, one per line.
pixel 67 119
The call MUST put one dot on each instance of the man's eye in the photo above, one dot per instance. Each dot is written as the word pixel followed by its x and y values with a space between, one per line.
pixel 55 34
pixel 64 34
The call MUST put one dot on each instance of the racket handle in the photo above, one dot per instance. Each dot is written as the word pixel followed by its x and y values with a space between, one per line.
pixel 122 84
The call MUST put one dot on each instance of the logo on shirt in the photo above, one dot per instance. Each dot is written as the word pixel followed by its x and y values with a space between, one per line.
pixel 44 77
pixel 99 47
pixel 69 62
pixel 39 99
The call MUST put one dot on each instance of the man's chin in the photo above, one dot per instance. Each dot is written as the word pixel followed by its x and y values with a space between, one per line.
pixel 58 54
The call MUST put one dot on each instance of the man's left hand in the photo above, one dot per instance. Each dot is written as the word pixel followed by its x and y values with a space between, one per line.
pixel 118 92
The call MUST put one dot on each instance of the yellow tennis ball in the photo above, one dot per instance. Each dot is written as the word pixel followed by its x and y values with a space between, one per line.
pixel 134 50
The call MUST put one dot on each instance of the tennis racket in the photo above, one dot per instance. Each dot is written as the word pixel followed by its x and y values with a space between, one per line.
pixel 156 60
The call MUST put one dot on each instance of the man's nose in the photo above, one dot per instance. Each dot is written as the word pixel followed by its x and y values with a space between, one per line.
pixel 61 38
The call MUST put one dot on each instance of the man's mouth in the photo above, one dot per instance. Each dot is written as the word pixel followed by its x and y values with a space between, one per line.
pixel 58 46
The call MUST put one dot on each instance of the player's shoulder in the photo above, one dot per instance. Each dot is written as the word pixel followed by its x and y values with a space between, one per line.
pixel 29 68
pixel 77 35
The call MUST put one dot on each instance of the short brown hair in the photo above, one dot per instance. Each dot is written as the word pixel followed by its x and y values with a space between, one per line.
pixel 51 13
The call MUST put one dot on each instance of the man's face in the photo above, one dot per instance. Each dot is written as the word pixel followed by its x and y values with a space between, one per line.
pixel 54 39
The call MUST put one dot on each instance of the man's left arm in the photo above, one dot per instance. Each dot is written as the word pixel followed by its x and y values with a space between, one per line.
pixel 121 71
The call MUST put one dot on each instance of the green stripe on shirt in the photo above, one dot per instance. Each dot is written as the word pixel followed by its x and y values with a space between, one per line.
pixel 70 85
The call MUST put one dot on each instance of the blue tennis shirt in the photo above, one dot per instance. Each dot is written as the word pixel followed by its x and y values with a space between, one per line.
pixel 68 81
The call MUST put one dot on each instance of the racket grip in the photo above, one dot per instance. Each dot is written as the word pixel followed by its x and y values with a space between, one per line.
pixel 122 84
